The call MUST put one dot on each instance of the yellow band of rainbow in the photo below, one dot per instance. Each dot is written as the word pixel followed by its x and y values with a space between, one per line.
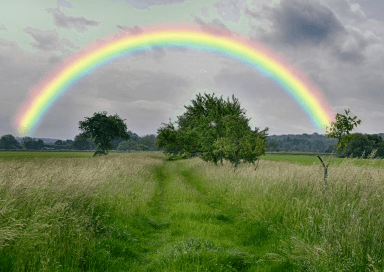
pixel 51 87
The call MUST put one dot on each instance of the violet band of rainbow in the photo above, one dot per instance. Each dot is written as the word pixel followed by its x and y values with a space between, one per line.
pixel 296 84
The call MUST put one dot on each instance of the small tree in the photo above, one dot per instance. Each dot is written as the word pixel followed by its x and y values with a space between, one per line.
pixel 103 129
pixel 341 129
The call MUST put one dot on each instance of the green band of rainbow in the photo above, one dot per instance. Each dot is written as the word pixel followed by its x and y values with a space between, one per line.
pixel 49 89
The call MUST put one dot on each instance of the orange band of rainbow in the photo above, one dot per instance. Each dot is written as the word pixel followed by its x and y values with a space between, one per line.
pixel 52 86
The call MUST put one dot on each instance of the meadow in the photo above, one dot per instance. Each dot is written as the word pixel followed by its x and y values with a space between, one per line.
pixel 139 212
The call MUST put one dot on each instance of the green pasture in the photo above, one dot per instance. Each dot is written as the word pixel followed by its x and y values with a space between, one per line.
pixel 296 159
pixel 36 155
pixel 139 212
pixel 311 159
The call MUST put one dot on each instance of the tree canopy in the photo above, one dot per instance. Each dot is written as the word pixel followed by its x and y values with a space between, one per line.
pixel 364 146
pixel 103 129
pixel 213 129
pixel 341 129
pixel 9 142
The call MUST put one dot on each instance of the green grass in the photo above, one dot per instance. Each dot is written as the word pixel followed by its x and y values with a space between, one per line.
pixel 139 212
pixel 310 160
pixel 37 155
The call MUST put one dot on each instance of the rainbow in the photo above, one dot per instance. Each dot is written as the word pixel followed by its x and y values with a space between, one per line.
pixel 50 88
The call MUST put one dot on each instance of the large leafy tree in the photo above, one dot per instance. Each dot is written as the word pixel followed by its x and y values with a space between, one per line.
pixel 9 142
pixel 213 129
pixel 341 129
pixel 103 129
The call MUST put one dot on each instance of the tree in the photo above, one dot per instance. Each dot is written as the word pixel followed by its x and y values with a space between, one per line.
pixel 38 145
pixel 59 142
pixel 362 145
pixel 127 145
pixel 273 145
pixel 213 129
pixel 9 142
pixel 81 144
pixel 240 142
pixel 27 142
pixel 103 129
pixel 341 129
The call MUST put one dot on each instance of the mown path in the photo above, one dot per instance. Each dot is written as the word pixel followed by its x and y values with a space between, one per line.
pixel 190 227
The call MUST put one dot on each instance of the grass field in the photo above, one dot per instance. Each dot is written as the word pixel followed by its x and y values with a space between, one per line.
pixel 138 212
pixel 37 155
pixel 310 160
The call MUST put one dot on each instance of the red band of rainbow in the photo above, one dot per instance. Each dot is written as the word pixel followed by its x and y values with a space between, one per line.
pixel 53 85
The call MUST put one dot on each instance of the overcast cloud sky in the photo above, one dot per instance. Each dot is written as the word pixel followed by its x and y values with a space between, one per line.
pixel 338 44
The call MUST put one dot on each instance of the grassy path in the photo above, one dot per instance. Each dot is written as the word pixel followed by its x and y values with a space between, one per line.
pixel 138 212
pixel 190 227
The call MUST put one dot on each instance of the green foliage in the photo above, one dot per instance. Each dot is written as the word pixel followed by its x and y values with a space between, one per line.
pixel 272 145
pixel 363 145
pixel 31 144
pixel 239 141
pixel 136 143
pixel 9 142
pixel 82 144
pixel 301 142
pixel 103 129
pixel 213 129
pixel 341 129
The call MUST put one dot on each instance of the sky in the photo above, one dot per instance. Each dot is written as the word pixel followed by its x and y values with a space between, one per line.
pixel 337 44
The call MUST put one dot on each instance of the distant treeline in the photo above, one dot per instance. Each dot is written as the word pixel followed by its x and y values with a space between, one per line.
pixel 136 143
pixel 360 145
pixel 305 142
pixel 319 143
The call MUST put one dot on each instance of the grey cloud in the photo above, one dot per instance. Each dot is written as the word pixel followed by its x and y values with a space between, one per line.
pixel 298 22
pixel 19 72
pixel 138 85
pixel 311 26
pixel 2 27
pixel 144 4
pixel 48 40
pixel 215 27
pixel 131 30
pixel 61 20
pixel 356 9
pixel 353 47
pixel 229 9
pixel 204 11
pixel 247 80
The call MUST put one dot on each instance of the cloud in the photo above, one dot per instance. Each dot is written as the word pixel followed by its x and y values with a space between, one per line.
pixel 313 26
pixel 229 9
pixel 131 30
pixel 353 47
pixel 137 85
pixel 48 40
pixel 204 11
pixel 63 4
pixel 356 9
pixel 145 4
pixel 2 27
pixel 61 20
pixel 301 22
pixel 215 27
